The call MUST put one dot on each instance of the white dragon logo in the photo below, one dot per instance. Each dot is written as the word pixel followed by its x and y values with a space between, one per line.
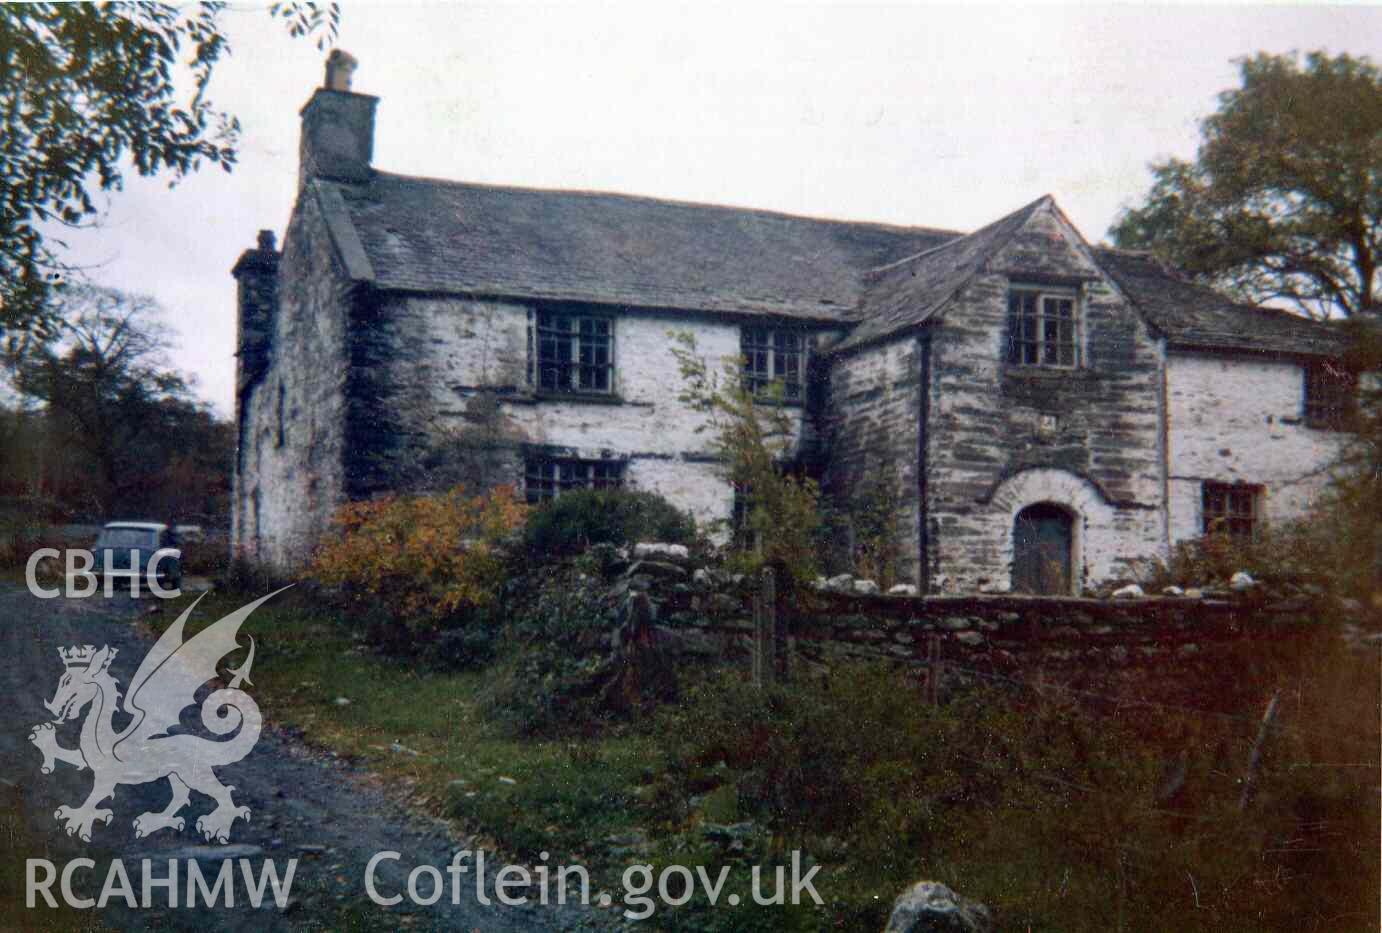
pixel 145 749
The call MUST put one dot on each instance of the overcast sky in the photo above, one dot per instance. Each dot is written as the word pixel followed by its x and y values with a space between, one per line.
pixel 929 115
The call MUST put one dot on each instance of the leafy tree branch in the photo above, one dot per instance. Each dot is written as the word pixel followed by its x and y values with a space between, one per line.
pixel 1283 201
pixel 90 91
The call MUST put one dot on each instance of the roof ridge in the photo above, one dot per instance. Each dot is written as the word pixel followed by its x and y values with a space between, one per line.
pixel 962 237
pixel 675 202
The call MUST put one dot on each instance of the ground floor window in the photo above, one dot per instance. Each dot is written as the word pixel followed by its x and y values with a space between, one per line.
pixel 546 478
pixel 1231 509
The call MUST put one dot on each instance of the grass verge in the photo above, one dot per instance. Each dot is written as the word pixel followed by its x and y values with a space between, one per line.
pixel 1061 813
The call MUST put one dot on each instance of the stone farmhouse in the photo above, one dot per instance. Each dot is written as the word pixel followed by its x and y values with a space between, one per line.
pixel 1049 411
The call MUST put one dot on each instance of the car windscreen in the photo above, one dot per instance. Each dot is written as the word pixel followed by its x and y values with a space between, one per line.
pixel 127 537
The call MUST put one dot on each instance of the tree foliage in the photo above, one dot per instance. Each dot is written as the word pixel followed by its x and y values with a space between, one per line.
pixel 752 437
pixel 105 425
pixel 88 91
pixel 1284 198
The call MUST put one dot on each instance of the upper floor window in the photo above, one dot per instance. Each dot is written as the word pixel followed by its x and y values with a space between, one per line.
pixel 773 356
pixel 1043 327
pixel 1331 396
pixel 1231 509
pixel 547 478
pixel 575 351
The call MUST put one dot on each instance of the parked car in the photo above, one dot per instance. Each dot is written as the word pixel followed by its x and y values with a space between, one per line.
pixel 124 547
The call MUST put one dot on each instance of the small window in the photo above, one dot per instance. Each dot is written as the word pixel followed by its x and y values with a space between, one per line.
pixel 1231 510
pixel 773 356
pixel 1042 328
pixel 1331 396
pixel 575 352
pixel 282 437
pixel 547 478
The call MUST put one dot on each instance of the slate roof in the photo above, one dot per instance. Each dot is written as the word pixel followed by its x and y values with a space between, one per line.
pixel 431 236
pixel 440 236
pixel 913 291
pixel 1193 316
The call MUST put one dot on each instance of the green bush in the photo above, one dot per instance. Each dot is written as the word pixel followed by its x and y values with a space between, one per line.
pixel 1053 814
pixel 28 523
pixel 559 620
pixel 576 520
pixel 205 558
pixel 1339 547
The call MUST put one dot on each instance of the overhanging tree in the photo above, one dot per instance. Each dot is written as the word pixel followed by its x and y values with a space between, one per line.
pixel 1283 201
pixel 90 91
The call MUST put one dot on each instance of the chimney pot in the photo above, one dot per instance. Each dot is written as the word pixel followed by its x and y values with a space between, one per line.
pixel 340 68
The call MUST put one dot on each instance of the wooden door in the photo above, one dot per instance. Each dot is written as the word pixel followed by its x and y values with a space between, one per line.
pixel 1042 546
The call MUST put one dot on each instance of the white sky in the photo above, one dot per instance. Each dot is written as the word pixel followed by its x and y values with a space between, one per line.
pixel 930 115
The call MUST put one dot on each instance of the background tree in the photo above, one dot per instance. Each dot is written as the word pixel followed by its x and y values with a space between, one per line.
pixel 110 426
pixel 1284 198
pixel 88 91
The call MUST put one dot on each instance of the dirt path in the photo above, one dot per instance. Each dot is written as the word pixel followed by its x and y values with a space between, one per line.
pixel 303 806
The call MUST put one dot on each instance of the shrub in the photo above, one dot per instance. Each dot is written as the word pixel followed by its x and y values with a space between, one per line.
pixel 425 558
pixel 872 514
pixel 469 646
pixel 1055 815
pixel 754 436
pixel 558 631
pixel 1339 546
pixel 28 523
pixel 209 558
pixel 576 520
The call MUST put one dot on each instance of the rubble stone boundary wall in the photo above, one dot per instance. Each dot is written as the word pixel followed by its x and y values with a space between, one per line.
pixel 1016 634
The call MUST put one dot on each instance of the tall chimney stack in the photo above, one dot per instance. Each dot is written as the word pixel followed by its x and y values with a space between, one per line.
pixel 256 275
pixel 337 127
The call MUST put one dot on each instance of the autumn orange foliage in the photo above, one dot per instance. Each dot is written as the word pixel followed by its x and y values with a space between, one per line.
pixel 422 558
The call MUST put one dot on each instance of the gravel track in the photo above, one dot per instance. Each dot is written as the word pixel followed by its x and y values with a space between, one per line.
pixel 304 805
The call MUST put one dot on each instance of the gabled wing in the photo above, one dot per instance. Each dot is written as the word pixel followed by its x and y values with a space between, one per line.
pixel 174 669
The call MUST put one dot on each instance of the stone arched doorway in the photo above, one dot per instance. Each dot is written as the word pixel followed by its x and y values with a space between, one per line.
pixel 1043 550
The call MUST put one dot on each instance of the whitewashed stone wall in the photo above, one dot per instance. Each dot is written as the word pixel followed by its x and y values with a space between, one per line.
pixel 1240 419
pixel 291 476
pixel 457 351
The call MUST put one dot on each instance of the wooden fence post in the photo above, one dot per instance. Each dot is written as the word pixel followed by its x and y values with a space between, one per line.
pixel 765 629
pixel 933 670
pixel 1255 759
pixel 756 642
pixel 783 641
